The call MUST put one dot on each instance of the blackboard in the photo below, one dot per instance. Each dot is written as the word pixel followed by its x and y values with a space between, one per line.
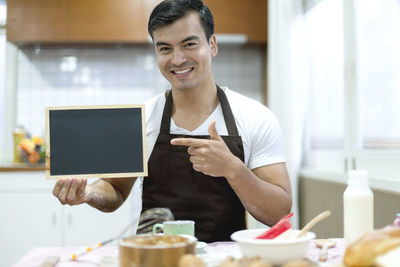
pixel 95 141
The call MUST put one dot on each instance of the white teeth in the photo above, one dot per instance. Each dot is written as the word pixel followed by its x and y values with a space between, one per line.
pixel 183 71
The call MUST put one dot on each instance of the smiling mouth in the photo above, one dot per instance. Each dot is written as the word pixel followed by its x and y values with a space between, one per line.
pixel 182 71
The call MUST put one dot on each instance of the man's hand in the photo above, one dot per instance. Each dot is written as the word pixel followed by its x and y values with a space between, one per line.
pixel 75 192
pixel 211 157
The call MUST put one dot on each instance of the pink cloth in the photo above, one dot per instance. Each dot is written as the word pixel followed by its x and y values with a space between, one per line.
pixel 38 255
pixel 335 254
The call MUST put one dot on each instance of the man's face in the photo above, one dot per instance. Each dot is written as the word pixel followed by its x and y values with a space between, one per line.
pixel 183 53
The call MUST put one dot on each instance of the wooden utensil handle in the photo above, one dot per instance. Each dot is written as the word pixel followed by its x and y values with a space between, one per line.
pixel 314 221
pixel 323 255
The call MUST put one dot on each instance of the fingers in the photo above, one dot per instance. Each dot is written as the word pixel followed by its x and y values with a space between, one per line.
pixel 57 187
pixel 196 151
pixel 196 159
pixel 196 167
pixel 188 142
pixel 193 142
pixel 73 195
pixel 62 194
pixel 213 131
pixel 70 191
pixel 82 187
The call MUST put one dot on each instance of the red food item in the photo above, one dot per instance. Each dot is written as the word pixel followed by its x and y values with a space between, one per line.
pixel 280 227
pixel 34 157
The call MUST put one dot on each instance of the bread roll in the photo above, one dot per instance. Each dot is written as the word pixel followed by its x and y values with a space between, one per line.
pixel 244 262
pixel 189 260
pixel 366 249
pixel 300 263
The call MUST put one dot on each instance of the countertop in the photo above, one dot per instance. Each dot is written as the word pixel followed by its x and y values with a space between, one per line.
pixel 21 167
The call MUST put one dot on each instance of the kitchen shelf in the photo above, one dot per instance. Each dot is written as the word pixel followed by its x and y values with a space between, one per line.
pixel 119 21
pixel 14 167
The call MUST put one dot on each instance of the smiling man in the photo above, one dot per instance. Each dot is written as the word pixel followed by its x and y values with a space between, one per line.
pixel 214 153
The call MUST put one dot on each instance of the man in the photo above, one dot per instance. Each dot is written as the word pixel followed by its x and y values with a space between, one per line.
pixel 214 153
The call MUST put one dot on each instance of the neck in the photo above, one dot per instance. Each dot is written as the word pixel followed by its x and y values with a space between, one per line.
pixel 197 99
pixel 193 106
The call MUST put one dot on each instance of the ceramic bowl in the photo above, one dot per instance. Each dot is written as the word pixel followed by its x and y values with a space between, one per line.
pixel 275 251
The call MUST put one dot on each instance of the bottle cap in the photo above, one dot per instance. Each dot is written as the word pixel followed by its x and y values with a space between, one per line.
pixel 358 177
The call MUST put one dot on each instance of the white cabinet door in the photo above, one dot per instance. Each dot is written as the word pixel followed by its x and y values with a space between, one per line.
pixel 31 217
pixel 28 220
pixel 87 226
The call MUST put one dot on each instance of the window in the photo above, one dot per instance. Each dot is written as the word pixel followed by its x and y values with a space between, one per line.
pixel 326 110
pixel 378 75
pixel 378 85
pixel 354 118
pixel 2 89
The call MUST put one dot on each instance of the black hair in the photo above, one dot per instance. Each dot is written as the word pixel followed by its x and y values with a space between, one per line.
pixel 168 11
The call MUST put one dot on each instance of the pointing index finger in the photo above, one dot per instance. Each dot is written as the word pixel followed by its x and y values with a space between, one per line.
pixel 187 142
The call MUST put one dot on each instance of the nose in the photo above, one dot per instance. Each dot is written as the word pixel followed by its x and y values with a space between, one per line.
pixel 178 57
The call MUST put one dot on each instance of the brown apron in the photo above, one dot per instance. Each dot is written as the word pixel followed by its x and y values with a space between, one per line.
pixel 192 195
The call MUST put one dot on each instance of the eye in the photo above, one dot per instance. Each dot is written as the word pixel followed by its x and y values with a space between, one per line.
pixel 164 49
pixel 191 44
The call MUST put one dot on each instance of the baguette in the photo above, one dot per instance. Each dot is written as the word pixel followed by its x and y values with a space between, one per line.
pixel 365 250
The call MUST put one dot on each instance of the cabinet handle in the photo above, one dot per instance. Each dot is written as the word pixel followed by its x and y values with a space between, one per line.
pixel 54 219
pixel 69 219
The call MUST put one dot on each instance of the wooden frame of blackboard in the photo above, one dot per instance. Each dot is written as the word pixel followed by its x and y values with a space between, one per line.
pixel 111 110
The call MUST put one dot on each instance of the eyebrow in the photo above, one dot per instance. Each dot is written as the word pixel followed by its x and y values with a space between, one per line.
pixel 189 38
pixel 161 43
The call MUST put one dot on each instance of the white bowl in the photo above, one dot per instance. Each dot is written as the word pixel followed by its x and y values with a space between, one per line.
pixel 276 251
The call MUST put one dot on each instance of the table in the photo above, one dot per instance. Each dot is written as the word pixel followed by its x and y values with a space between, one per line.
pixel 107 256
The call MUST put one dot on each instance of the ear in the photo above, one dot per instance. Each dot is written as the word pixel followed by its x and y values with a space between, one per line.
pixel 213 44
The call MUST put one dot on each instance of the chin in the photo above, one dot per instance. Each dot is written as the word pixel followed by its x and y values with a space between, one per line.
pixel 182 86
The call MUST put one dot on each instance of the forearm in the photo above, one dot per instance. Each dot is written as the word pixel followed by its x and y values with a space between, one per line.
pixel 106 194
pixel 265 201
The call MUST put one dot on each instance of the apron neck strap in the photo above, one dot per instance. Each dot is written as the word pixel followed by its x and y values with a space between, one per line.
pixel 226 111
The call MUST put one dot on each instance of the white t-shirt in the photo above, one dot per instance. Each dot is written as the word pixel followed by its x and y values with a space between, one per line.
pixel 257 125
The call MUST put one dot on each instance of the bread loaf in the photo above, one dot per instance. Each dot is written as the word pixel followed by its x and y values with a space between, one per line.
pixel 366 249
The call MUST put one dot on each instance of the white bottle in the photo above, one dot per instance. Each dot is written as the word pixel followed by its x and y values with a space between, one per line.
pixel 358 201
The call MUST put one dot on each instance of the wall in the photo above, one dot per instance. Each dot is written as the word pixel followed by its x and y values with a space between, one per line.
pixel 2 83
pixel 113 74
pixel 311 203
pixel 117 74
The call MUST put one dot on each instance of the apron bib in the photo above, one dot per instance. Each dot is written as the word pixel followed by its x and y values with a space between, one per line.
pixel 191 195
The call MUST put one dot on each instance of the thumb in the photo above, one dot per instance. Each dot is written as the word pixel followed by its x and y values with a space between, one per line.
pixel 212 131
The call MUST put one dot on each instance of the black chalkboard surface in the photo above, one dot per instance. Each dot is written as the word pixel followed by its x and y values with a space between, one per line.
pixel 95 141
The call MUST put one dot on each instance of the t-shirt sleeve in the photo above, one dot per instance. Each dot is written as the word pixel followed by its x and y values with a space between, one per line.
pixel 267 142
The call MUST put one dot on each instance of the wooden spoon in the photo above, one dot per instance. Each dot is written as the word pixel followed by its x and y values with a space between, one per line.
pixel 324 245
pixel 314 221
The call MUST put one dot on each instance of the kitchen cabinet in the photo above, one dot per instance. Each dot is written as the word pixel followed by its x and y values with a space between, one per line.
pixel 32 217
pixel 28 220
pixel 241 17
pixel 119 21
pixel 87 226
pixel 75 21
